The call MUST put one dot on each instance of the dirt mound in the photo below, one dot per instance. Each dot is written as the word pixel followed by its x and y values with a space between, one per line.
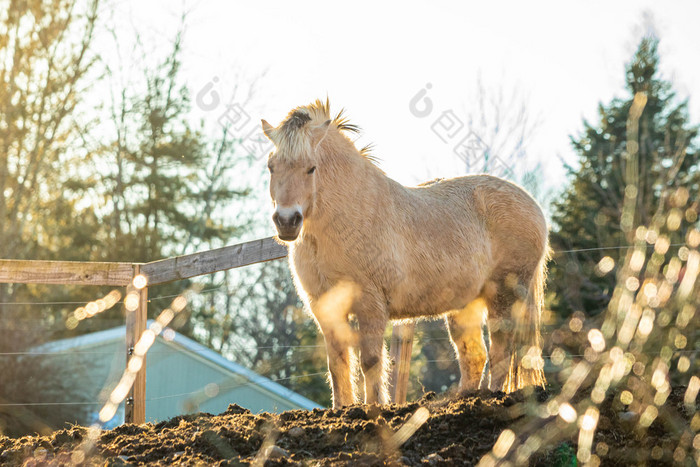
pixel 452 431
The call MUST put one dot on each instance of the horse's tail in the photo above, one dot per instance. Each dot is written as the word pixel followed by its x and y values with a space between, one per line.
pixel 527 364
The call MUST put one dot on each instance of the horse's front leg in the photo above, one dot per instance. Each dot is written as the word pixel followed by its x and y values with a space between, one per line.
pixel 372 320
pixel 340 362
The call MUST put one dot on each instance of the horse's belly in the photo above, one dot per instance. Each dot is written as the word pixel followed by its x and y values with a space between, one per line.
pixel 414 302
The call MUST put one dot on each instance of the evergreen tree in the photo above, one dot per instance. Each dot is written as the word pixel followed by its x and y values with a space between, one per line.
pixel 166 178
pixel 588 215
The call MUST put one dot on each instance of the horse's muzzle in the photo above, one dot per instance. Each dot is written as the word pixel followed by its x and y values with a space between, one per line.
pixel 288 226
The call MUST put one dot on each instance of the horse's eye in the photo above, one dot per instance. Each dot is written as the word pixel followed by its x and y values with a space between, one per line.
pixel 311 170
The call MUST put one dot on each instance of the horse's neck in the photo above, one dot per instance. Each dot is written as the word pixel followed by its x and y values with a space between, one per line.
pixel 353 193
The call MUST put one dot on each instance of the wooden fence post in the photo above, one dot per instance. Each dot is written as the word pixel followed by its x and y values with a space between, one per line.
pixel 135 409
pixel 401 347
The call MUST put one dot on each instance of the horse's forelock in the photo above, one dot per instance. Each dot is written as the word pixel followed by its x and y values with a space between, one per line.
pixel 306 116
pixel 296 120
pixel 294 133
pixel 294 147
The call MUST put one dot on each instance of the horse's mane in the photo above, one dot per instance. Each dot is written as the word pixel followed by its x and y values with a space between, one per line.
pixel 294 132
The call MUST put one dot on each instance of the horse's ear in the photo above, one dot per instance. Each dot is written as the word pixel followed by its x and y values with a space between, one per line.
pixel 321 129
pixel 320 132
pixel 268 129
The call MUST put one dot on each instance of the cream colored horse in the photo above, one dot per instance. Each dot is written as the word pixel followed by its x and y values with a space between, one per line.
pixel 472 249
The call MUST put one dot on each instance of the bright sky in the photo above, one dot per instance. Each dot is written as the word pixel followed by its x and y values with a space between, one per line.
pixel 373 57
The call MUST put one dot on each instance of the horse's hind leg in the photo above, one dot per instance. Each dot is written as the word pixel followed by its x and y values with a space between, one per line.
pixel 506 304
pixel 465 328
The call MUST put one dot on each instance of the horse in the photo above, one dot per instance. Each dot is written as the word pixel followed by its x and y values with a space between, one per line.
pixel 365 250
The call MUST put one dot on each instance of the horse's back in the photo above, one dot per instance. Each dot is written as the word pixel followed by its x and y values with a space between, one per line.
pixel 502 207
pixel 464 231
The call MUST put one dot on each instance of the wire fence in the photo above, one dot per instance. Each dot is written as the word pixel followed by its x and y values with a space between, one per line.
pixel 223 388
pixel 269 347
pixel 276 282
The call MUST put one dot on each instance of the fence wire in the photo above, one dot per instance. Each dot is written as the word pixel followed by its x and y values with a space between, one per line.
pixel 268 282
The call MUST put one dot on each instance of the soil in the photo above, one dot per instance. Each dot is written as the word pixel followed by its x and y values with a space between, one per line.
pixel 458 431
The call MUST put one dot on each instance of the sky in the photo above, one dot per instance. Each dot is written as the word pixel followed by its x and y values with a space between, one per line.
pixel 559 60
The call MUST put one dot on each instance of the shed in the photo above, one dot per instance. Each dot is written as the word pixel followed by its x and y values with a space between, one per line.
pixel 182 376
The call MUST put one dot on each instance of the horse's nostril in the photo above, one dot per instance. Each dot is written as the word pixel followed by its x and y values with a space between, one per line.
pixel 287 222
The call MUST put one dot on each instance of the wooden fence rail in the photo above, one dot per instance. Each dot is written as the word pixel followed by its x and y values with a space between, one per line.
pixel 168 270
pixel 211 261
pixel 65 272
